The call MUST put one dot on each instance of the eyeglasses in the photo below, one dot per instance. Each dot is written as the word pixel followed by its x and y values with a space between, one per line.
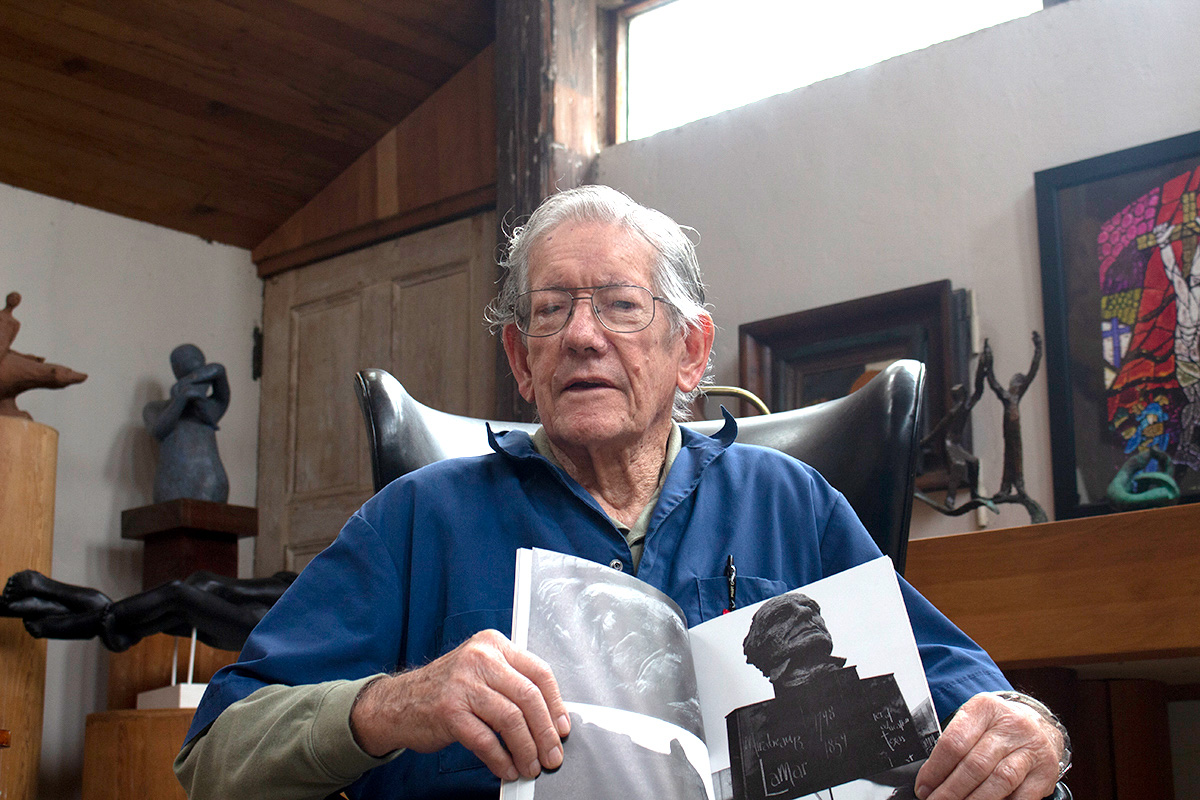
pixel 620 308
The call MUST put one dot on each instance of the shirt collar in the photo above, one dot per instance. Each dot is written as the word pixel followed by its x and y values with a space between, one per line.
pixel 519 444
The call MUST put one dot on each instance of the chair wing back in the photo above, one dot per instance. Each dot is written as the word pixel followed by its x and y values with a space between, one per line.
pixel 864 444
pixel 404 435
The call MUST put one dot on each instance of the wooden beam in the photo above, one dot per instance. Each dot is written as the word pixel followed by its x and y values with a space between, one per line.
pixel 547 117
pixel 1107 588
pixel 546 106
pixel 410 221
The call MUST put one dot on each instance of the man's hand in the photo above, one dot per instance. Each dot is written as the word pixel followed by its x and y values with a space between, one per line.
pixel 484 689
pixel 992 749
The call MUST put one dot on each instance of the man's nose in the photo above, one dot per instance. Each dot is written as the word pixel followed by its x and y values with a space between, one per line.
pixel 583 328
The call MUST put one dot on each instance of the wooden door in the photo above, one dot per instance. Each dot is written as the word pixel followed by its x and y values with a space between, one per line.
pixel 413 306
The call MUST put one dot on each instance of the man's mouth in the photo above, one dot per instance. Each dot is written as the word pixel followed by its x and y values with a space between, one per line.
pixel 580 386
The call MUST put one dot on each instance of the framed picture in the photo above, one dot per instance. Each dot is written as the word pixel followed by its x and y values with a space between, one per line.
pixel 1121 296
pixel 798 359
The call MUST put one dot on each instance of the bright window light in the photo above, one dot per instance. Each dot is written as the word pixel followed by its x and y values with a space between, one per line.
pixel 693 58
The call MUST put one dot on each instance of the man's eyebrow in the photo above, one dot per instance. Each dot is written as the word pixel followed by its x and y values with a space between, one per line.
pixel 604 283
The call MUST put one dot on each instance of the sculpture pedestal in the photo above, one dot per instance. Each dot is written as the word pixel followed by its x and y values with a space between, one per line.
pixel 147 666
pixel 28 458
pixel 182 536
pixel 128 754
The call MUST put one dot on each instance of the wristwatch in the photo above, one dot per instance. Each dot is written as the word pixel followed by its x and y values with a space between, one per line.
pixel 1064 761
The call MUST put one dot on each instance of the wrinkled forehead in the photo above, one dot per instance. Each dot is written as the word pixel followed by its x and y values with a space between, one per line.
pixel 596 253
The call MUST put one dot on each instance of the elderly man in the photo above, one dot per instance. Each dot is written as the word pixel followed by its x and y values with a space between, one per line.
pixel 383 668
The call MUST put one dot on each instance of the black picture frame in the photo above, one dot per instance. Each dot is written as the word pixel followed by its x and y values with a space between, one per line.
pixel 1110 316
pixel 805 357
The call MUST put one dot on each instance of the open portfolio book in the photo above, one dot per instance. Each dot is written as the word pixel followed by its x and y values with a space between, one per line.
pixel 659 711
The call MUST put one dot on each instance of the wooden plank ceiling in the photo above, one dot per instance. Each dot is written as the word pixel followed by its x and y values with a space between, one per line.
pixel 218 118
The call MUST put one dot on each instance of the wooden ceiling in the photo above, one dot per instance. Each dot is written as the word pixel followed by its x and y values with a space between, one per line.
pixel 219 118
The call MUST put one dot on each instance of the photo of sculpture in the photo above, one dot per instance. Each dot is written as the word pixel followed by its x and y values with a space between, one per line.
pixel 651 763
pixel 826 725
pixel 817 688
pixel 619 650
pixel 589 631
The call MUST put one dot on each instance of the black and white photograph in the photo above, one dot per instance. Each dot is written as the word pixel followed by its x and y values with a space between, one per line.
pixel 817 692
pixel 619 650
pixel 827 696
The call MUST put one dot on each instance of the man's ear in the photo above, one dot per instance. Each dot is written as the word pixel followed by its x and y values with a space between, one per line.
pixel 518 360
pixel 697 345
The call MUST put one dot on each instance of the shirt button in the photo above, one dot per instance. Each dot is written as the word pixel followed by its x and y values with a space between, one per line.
pixel 617 565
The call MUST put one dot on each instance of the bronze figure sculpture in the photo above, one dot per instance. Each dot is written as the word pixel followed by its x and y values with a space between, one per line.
pixel 222 610
pixel 963 466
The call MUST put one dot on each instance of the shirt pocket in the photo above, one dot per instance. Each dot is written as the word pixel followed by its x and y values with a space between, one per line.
pixel 713 593
pixel 456 629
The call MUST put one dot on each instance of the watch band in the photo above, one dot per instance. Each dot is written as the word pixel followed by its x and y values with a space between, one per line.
pixel 1064 761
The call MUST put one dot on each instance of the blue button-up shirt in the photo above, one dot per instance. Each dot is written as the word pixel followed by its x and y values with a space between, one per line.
pixel 429 561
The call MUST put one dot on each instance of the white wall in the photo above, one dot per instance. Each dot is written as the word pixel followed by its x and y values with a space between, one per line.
pixel 918 169
pixel 111 297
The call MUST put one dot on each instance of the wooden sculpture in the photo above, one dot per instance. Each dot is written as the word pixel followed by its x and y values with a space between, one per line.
pixel 20 372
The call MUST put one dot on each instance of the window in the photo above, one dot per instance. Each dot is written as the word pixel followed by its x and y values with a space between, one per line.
pixel 689 59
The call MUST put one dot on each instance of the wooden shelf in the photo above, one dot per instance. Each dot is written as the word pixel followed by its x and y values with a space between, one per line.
pixel 200 515
pixel 1111 588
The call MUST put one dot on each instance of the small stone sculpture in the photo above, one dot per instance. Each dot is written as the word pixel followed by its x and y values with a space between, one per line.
pixel 20 372
pixel 189 465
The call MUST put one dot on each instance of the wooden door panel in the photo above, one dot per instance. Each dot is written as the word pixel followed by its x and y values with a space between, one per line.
pixel 428 339
pixel 413 306
pixel 328 429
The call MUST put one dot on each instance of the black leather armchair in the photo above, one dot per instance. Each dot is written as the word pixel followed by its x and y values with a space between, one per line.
pixel 864 444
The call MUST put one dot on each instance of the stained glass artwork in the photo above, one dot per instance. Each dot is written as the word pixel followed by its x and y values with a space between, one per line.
pixel 1150 320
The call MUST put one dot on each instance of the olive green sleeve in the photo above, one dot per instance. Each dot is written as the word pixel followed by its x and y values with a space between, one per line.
pixel 290 742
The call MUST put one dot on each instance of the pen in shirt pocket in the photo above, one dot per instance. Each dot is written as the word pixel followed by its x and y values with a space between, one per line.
pixel 731 578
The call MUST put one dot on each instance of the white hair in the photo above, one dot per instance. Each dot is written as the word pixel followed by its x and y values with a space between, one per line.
pixel 676 272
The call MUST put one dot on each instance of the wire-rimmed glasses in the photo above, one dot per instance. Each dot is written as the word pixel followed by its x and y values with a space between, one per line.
pixel 621 308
